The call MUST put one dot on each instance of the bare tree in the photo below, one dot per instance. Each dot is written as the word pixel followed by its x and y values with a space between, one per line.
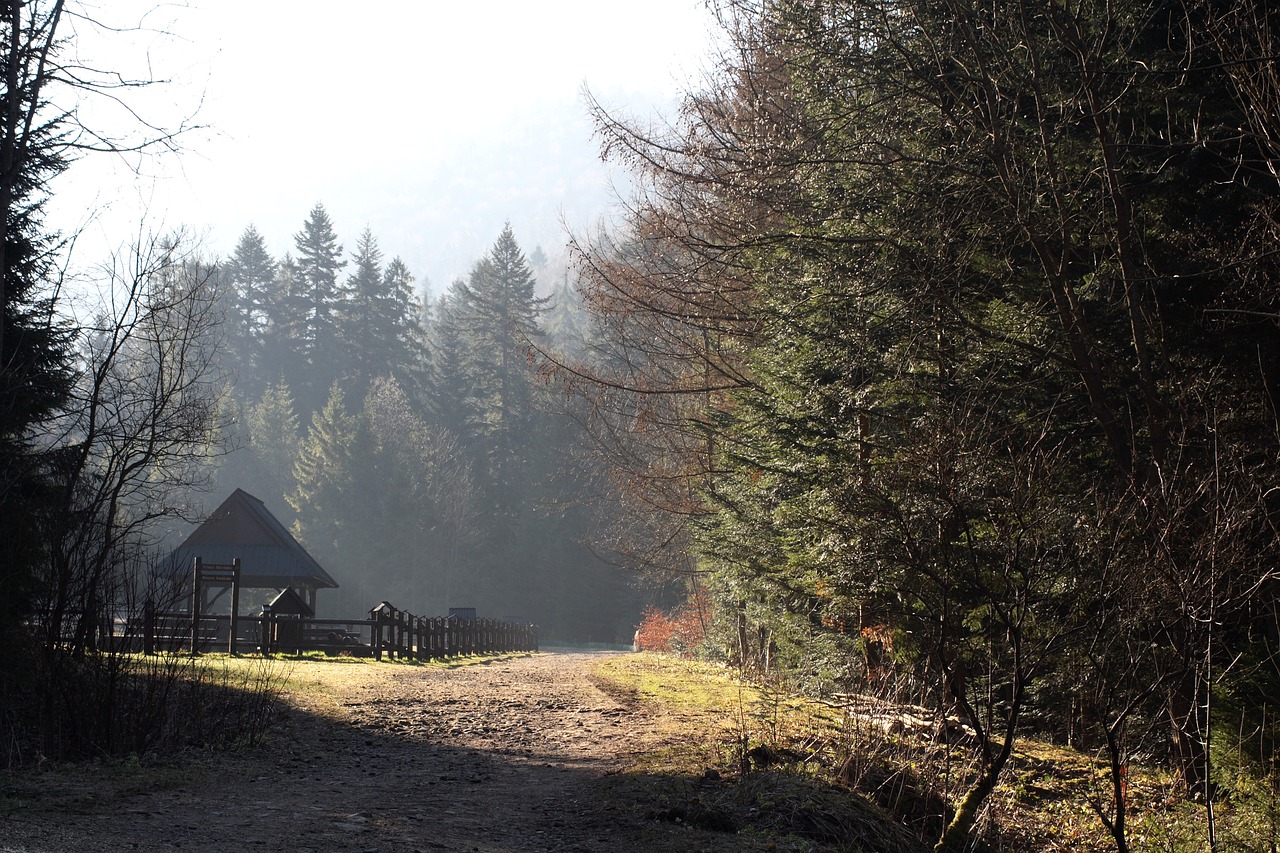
pixel 138 435
pixel 48 88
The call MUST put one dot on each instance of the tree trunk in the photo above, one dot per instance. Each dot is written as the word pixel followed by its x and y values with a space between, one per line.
pixel 956 837
pixel 1189 756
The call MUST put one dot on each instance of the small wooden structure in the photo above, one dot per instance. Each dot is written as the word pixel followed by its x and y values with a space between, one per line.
pixel 282 622
pixel 270 558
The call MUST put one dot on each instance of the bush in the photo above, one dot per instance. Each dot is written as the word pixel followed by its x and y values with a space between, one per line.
pixel 68 707
pixel 682 631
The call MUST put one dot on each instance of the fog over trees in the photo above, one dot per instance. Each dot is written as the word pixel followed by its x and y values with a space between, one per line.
pixel 413 448
pixel 935 357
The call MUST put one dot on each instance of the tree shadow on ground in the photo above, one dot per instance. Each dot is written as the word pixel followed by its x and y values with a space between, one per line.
pixel 396 778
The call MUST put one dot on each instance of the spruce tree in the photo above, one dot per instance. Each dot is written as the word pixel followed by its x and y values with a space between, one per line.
pixel 404 351
pixel 379 324
pixel 451 399
pixel 283 357
pixel 321 497
pixel 273 446
pixel 360 314
pixel 36 372
pixel 316 299
pixel 250 275
pixel 497 314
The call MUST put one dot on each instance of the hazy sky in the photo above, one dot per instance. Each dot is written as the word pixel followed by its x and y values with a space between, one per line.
pixel 431 122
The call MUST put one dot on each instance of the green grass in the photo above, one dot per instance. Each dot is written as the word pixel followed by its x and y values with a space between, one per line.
pixel 677 683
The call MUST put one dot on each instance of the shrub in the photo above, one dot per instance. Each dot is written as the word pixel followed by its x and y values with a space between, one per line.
pixel 681 631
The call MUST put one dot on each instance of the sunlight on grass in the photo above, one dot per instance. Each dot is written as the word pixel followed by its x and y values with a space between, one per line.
pixel 678 683
pixel 1048 799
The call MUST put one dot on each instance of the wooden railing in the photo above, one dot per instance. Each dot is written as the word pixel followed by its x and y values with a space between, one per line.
pixel 397 633
pixel 388 631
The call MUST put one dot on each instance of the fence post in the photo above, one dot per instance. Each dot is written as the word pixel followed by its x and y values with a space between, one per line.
pixel 264 639
pixel 195 607
pixel 148 627
pixel 235 606
pixel 376 628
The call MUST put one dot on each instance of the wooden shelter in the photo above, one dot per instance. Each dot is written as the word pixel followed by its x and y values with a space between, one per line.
pixel 270 558
pixel 289 603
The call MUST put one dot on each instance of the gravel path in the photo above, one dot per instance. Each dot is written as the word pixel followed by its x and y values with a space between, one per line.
pixel 512 755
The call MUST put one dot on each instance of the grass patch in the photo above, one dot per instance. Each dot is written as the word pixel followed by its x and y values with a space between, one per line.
pixel 755 759
pixel 677 683
pixel 743 758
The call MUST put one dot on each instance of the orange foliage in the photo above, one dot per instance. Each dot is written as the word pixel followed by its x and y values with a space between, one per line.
pixel 881 634
pixel 680 631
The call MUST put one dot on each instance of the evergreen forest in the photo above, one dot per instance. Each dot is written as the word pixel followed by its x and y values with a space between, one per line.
pixel 942 353
pixel 413 446
pixel 934 357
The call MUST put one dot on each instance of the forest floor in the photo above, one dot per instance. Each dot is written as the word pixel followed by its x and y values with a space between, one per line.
pixel 523 753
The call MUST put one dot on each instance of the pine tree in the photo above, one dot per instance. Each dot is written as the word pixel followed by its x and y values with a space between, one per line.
pixel 36 374
pixel 274 444
pixel 283 357
pixel 405 350
pixel 497 314
pixel 316 299
pixel 250 275
pixel 565 322
pixel 414 494
pixel 324 474
pixel 450 398
pixel 360 316
pixel 379 321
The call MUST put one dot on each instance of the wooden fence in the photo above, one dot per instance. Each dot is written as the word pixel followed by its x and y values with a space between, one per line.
pixel 400 634
pixel 388 631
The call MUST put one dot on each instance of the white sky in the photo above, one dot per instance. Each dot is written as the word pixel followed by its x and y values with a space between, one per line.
pixel 432 122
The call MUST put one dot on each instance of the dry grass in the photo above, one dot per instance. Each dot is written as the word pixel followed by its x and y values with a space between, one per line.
pixel 795 766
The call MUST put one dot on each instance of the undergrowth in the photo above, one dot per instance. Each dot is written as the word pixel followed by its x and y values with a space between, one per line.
pixel 868 775
pixel 110 706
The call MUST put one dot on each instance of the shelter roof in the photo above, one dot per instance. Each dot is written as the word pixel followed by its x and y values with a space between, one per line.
pixel 289 602
pixel 243 527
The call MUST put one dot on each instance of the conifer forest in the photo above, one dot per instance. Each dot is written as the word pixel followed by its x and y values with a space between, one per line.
pixel 417 449
pixel 933 353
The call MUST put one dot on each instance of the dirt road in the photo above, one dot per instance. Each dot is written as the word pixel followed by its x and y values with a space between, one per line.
pixel 512 755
